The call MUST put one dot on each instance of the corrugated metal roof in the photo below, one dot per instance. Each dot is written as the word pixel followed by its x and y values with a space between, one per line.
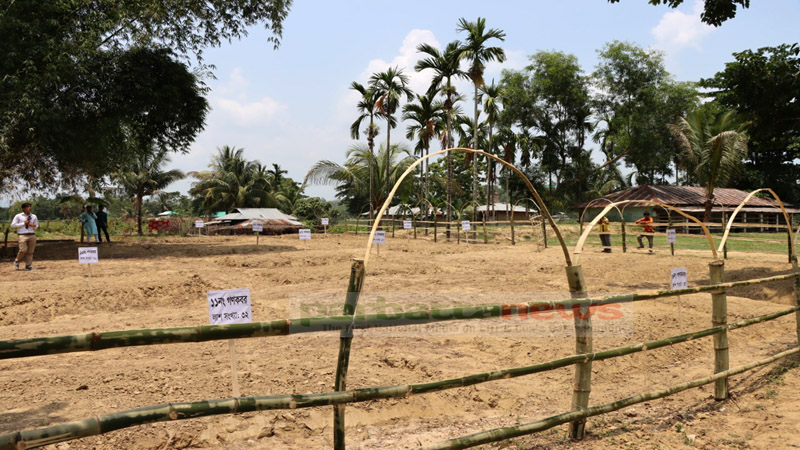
pixel 266 215
pixel 683 196
pixel 500 207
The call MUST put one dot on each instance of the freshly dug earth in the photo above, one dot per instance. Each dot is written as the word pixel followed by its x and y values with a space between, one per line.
pixel 163 283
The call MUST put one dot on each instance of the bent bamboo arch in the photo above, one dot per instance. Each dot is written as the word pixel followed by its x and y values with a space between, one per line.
pixel 540 202
pixel 744 202
pixel 585 235
pixel 591 203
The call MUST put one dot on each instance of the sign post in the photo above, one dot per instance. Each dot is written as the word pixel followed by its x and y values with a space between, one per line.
pixel 671 238
pixel 229 307
pixel 325 222
pixel 380 239
pixel 198 224
pixel 258 227
pixel 88 256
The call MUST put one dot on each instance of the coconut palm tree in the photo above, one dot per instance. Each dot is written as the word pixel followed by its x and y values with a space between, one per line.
pixel 446 67
pixel 352 177
pixel 390 86
pixel 367 109
pixel 713 148
pixel 233 182
pixel 491 105
pixel 427 121
pixel 145 176
pixel 476 52
pixel 276 175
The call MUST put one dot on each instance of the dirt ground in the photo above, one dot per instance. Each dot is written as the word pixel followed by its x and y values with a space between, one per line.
pixel 163 283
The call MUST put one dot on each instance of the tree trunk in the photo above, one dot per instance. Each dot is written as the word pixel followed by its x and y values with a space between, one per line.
pixel 475 157
pixel 388 157
pixel 708 205
pixel 139 212
pixel 449 162
pixel 371 143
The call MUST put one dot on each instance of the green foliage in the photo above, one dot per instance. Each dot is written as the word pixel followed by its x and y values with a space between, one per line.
pixel 715 11
pixel 313 209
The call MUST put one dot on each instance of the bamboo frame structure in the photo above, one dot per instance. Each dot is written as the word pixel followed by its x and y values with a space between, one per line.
pixel 582 384
pixel 511 220
pixel 719 316
pixel 188 410
pixel 591 203
pixel 783 210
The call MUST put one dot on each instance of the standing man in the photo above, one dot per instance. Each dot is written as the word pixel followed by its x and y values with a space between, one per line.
pixel 605 235
pixel 647 224
pixel 88 219
pixel 26 224
pixel 102 224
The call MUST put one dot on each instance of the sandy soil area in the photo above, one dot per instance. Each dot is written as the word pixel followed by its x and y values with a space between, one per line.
pixel 163 283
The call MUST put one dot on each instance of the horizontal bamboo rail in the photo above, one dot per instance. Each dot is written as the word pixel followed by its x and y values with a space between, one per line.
pixel 94 341
pixel 188 410
pixel 500 434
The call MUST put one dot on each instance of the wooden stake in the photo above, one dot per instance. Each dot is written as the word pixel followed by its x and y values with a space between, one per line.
pixel 234 374
pixel 582 384
pixel 624 243
pixel 796 297
pixel 345 338
pixel 719 301
pixel 257 233
pixel 544 231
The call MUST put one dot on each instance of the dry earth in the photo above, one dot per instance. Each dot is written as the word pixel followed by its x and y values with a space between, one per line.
pixel 163 283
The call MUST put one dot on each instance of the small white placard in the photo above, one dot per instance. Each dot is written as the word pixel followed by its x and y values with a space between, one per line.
pixel 258 226
pixel 325 221
pixel 671 235
pixel 305 234
pixel 380 237
pixel 407 225
pixel 465 225
pixel 229 306
pixel 199 224
pixel 87 255
pixel 680 280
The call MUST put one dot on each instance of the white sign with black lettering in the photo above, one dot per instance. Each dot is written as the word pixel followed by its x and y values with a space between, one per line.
pixel 229 306
pixel 380 238
pixel 87 255
pixel 465 225
pixel 680 280
pixel 325 221
pixel 407 225
pixel 258 227
pixel 671 235
pixel 305 234
pixel 199 224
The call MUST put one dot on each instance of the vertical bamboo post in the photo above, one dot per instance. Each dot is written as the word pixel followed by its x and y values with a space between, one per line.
pixel 719 316
pixel 414 226
pixel 458 235
pixel 392 226
pixel 796 297
pixel 789 238
pixel 544 231
pixel 435 230
pixel 485 233
pixel 512 232
pixel 624 241
pixel 671 244
pixel 346 336
pixel 582 383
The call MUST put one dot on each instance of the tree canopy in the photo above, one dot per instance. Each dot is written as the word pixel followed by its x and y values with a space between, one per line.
pixel 714 12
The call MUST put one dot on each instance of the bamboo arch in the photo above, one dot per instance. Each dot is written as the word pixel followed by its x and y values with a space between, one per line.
pixel 511 220
pixel 744 202
pixel 585 235
pixel 525 179
pixel 591 203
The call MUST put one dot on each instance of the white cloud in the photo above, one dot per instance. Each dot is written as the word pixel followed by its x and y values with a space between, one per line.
pixel 249 114
pixel 677 29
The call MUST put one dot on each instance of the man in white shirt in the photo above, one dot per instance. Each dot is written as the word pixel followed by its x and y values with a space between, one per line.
pixel 26 225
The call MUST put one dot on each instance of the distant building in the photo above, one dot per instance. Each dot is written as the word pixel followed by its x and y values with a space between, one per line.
pixel 275 222
pixel 691 200
pixel 504 212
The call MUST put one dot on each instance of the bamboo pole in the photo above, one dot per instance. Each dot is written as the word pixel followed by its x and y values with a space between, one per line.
pixel 796 296
pixel 435 230
pixel 544 232
pixel 345 339
pixel 95 341
pixel 180 411
pixel 582 383
pixel 719 316
pixel 500 434
pixel 624 241
pixel 485 233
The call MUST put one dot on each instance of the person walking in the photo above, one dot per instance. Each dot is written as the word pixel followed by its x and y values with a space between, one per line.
pixel 26 224
pixel 605 235
pixel 647 227
pixel 89 221
pixel 102 224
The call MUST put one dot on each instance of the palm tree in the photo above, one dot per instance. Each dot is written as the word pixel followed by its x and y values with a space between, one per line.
pixel 389 87
pixel 507 141
pixel 478 54
pixel 352 177
pixel 445 66
pixel 366 108
pixel 145 176
pixel 427 118
pixel 276 175
pixel 713 148
pixel 491 105
pixel 233 182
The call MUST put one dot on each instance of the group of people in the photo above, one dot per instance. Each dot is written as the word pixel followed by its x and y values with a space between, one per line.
pixel 647 228
pixel 26 224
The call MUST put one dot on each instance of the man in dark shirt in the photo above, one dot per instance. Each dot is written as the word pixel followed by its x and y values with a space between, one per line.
pixel 102 224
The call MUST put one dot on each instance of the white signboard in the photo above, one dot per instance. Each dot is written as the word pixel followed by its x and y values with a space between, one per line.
pixel 199 224
pixel 258 226
pixel 671 235
pixel 305 234
pixel 325 221
pixel 465 226
pixel 407 225
pixel 380 238
pixel 229 306
pixel 87 255
pixel 680 280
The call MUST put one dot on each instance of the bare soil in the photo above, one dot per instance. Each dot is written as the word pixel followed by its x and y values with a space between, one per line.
pixel 163 283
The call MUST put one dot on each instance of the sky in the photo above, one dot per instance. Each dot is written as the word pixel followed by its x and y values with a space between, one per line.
pixel 293 106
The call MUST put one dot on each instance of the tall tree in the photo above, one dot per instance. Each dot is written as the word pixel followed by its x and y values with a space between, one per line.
pixel 367 109
pixel 233 182
pixel 427 119
pixel 276 175
pixel 477 53
pixel 491 105
pixel 713 148
pixel 146 176
pixel 390 86
pixel 445 66
pixel 715 11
